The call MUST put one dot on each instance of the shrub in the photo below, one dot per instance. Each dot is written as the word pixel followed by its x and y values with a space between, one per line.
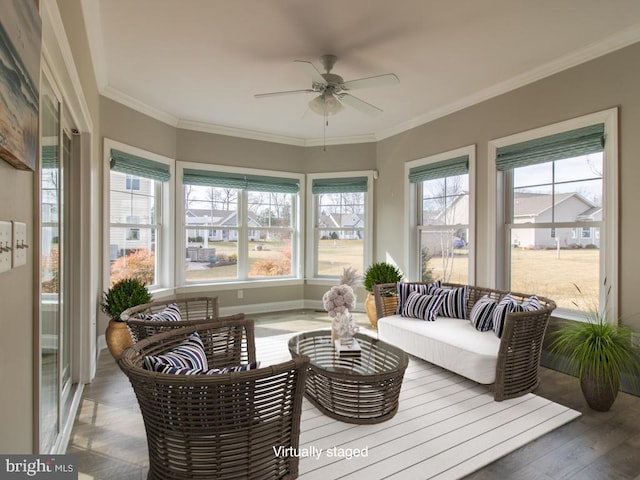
pixel 124 294
pixel 380 272
pixel 272 267
pixel 140 265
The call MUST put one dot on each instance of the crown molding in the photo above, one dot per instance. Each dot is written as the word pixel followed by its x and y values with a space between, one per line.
pixel 139 106
pixel 239 132
pixel 615 42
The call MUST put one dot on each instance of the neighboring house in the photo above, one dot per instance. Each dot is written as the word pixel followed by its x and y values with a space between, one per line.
pixel 218 226
pixel 533 208
pixel 569 208
pixel 334 223
pixel 130 194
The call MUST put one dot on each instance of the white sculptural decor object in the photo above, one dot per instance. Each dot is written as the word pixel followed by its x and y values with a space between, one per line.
pixel 338 302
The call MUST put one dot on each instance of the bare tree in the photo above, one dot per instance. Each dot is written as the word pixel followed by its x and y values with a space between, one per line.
pixel 446 193
pixel 188 191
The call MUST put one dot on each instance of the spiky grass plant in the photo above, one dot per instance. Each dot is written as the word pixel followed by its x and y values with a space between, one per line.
pixel 597 349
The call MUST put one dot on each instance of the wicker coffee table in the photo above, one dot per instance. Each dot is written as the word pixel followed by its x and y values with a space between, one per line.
pixel 353 387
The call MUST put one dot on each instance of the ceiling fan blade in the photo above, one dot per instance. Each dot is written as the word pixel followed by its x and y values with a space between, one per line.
pixel 360 105
pixel 311 71
pixel 377 81
pixel 287 92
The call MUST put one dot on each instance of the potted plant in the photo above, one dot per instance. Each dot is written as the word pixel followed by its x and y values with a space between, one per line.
pixel 123 294
pixel 597 352
pixel 379 272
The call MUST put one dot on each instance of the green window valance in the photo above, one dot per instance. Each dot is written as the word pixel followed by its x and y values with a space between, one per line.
pixel 254 183
pixel 140 167
pixel 445 168
pixel 573 143
pixel 339 185
pixel 50 156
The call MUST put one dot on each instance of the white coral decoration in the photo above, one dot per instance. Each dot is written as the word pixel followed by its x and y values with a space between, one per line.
pixel 344 326
pixel 339 300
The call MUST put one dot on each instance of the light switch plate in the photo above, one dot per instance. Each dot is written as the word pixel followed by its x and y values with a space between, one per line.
pixel 5 245
pixel 19 244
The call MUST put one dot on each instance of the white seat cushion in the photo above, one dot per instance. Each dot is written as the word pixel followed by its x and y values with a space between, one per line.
pixel 451 343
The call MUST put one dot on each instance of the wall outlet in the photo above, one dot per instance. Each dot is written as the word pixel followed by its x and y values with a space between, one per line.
pixel 19 244
pixel 5 246
pixel 240 293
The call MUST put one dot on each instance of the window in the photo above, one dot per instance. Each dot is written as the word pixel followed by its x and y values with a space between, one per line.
pixel 132 183
pixel 137 191
pixel 557 201
pixel 341 223
pixel 442 220
pixel 239 226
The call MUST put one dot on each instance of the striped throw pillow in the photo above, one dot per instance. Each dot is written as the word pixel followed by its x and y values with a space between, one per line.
pixel 507 305
pixel 425 307
pixel 482 314
pixel 455 302
pixel 189 354
pixel 169 314
pixel 404 289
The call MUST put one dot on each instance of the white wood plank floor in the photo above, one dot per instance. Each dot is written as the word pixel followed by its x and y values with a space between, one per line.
pixel 446 428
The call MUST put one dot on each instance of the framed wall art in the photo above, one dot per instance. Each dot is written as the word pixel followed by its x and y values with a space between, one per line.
pixel 20 47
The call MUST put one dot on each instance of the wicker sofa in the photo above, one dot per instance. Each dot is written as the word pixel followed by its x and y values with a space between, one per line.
pixel 510 362
pixel 218 426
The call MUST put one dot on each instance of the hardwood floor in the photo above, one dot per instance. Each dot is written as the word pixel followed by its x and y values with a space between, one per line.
pixel 109 440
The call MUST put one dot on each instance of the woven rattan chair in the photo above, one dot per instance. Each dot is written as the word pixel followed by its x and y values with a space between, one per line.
pixel 193 310
pixel 520 344
pixel 222 426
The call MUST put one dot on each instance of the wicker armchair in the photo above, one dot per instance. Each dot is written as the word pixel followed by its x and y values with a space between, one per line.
pixel 520 344
pixel 222 426
pixel 193 310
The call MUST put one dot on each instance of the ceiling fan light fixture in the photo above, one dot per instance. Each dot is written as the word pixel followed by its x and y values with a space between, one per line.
pixel 326 104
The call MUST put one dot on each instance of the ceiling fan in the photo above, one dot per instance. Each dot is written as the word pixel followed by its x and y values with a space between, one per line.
pixel 333 90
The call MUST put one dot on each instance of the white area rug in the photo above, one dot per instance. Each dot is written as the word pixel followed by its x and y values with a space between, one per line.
pixel 446 427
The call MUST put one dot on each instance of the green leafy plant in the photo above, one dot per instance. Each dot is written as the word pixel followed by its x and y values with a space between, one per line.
pixel 124 294
pixel 597 350
pixel 380 272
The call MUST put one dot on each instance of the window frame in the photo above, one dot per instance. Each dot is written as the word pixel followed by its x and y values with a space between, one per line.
pixel 412 200
pixel 497 237
pixel 312 220
pixel 164 213
pixel 297 236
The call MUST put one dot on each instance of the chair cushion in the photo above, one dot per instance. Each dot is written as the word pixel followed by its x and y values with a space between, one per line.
pixel 425 307
pixel 189 354
pixel 170 369
pixel 170 314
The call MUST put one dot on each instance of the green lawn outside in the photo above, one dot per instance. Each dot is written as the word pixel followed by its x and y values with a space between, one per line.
pixel 548 273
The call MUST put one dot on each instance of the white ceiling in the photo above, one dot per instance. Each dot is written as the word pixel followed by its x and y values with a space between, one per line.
pixel 197 63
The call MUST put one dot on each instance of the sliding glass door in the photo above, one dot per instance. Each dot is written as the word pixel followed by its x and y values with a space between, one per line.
pixel 55 323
